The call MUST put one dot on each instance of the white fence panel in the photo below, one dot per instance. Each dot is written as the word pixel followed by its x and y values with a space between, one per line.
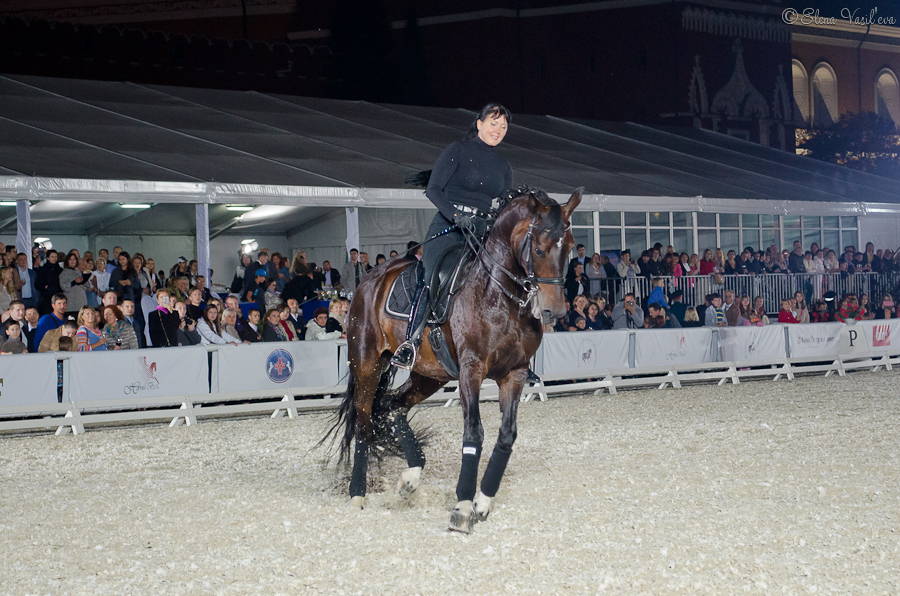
pixel 583 351
pixel 29 379
pixel 875 336
pixel 278 365
pixel 814 339
pixel 153 372
pixel 664 347
pixel 751 343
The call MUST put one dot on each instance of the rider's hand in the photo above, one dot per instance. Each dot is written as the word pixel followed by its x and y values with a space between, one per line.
pixel 477 226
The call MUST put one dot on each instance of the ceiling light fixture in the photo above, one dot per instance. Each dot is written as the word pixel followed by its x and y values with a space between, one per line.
pixel 134 205
pixel 240 208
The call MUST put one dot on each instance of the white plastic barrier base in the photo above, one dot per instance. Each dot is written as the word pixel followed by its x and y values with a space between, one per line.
pixel 28 379
pixel 278 365
pixel 149 373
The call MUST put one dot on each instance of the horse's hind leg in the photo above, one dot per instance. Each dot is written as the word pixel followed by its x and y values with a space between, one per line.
pixel 416 389
pixel 365 393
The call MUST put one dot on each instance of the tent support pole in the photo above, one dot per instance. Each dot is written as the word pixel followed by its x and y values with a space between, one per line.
pixel 23 228
pixel 203 241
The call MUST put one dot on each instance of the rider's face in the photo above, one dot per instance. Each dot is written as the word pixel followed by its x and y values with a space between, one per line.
pixel 492 130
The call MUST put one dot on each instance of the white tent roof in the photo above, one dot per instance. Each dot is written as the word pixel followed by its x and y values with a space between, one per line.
pixel 102 142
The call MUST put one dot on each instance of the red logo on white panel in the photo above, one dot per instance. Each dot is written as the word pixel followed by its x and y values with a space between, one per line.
pixel 881 336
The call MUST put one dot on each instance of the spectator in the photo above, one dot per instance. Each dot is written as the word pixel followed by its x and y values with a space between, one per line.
pixel 335 320
pixel 332 277
pixel 379 259
pixel 261 262
pixel 413 251
pixel 157 278
pixel 678 307
pixel 119 331
pixel 353 271
pixel 831 264
pixel 295 316
pixel 124 280
pixel 112 263
pixel 593 320
pixel 821 314
pixel 208 326
pixel 29 329
pixel 15 314
pixel 795 259
pixel 580 324
pixel 50 341
pixel 715 314
pixel 205 294
pixel 13 344
pixel 864 304
pixel 194 304
pixel 301 288
pixel 74 284
pixel 7 288
pixel 886 309
pixel 579 304
pixel 691 319
pixel 256 289
pixel 179 288
pixel 786 316
pixel 23 279
pixel 627 314
pixel 758 312
pixel 89 338
pixel 581 258
pixel 186 333
pixel 707 265
pixel 47 281
pixel 364 259
pixel 577 282
pixel 799 308
pixel 595 273
pixel 658 293
pixel 253 325
pixel 237 284
pixel 272 330
pixel 54 320
pixel 299 257
pixel 242 325
pixel 280 270
pixel 284 320
pixel 732 310
pixel 315 329
pixel 100 278
pixel 146 284
pixel 227 327
pixel 137 325
pixel 193 272
pixel 271 299
pixel 163 324
pixel 658 312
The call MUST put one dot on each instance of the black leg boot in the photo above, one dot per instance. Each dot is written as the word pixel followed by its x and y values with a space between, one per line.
pixel 408 351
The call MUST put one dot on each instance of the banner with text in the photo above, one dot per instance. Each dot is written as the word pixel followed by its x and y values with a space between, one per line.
pixel 814 339
pixel 153 372
pixel 28 379
pixel 871 336
pixel 278 365
pixel 738 344
pixel 583 351
pixel 662 347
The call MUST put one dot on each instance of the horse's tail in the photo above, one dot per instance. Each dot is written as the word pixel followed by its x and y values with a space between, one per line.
pixel 419 179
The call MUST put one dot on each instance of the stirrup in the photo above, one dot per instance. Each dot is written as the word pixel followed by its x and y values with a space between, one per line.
pixel 405 356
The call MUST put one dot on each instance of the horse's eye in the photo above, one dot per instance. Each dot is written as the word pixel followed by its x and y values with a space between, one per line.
pixel 539 252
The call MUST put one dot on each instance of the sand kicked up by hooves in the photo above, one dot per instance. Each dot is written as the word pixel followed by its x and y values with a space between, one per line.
pixel 760 488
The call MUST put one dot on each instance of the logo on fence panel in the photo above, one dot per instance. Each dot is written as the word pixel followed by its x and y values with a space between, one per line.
pixel 148 381
pixel 588 355
pixel 677 350
pixel 881 336
pixel 279 366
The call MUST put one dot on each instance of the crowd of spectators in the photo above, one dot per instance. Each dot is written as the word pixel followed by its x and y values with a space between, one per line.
pixel 594 283
pixel 120 301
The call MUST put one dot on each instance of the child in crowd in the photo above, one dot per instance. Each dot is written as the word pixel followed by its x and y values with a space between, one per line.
pixel 658 294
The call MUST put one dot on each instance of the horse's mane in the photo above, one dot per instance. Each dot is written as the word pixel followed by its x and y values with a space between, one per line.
pixel 523 190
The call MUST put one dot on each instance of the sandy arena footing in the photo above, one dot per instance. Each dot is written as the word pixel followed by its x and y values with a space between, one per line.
pixel 760 488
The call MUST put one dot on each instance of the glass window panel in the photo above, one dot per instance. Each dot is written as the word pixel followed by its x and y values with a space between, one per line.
pixel 769 237
pixel 706 220
pixel 683 220
pixel 848 237
pixel 635 219
pixel 768 221
pixel 792 221
pixel 848 222
pixel 584 236
pixel 830 221
pixel 811 221
pixel 750 221
pixel 660 218
pixel 728 220
pixel 729 240
pixel 683 241
pixel 636 241
pixel 610 218
pixel 583 218
pixel 810 236
pixel 791 234
pixel 610 239
pixel 661 236
pixel 831 239
pixel 706 239
pixel 750 238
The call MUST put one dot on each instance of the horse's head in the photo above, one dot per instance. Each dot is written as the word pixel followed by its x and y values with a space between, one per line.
pixel 542 240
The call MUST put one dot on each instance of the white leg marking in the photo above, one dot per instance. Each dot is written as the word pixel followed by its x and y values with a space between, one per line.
pixel 357 503
pixel 461 518
pixel 409 481
pixel 481 506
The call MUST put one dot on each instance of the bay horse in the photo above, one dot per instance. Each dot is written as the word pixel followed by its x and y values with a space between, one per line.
pixel 493 329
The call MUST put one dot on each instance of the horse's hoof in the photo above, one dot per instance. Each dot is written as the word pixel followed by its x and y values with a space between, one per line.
pixel 357 503
pixel 481 507
pixel 461 518
pixel 409 481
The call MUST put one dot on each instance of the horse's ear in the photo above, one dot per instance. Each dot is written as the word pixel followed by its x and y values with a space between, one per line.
pixel 573 202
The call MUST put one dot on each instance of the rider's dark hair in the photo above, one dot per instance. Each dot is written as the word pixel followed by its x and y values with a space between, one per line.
pixel 493 111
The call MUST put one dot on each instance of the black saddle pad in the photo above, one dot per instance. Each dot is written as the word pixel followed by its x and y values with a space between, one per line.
pixel 403 292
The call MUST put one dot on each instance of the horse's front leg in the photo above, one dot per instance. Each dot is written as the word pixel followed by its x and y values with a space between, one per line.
pixel 510 392
pixel 470 378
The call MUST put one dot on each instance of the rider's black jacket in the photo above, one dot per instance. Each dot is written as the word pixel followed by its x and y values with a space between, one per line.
pixel 468 173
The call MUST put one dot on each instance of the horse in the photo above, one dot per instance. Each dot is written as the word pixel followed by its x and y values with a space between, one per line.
pixel 493 329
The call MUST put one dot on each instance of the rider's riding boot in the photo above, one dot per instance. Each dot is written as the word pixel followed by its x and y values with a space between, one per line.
pixel 405 356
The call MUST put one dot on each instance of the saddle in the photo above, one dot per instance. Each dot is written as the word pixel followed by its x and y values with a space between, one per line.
pixel 447 279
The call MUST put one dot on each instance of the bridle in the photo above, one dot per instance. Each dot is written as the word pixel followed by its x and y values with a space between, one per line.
pixel 529 283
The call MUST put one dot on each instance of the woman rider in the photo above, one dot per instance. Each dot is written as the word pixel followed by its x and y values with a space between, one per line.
pixel 467 176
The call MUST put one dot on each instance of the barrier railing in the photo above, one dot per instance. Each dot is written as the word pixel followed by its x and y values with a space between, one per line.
pixel 568 362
